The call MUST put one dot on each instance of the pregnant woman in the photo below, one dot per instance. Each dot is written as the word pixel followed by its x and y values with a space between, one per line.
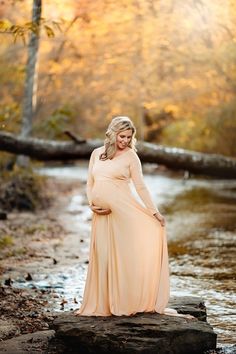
pixel 128 269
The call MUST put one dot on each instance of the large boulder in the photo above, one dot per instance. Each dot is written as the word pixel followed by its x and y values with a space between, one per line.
pixel 140 333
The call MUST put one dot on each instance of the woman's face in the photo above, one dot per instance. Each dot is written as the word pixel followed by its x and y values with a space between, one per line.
pixel 123 139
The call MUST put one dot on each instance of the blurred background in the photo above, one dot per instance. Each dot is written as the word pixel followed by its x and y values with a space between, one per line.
pixel 169 65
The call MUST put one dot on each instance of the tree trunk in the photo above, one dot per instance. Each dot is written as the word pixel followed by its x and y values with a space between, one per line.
pixel 30 93
pixel 173 158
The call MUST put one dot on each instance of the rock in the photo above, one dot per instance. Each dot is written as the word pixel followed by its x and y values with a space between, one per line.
pixel 32 343
pixel 8 282
pixel 7 329
pixel 28 277
pixel 140 333
pixel 227 349
pixel 3 215
pixel 193 305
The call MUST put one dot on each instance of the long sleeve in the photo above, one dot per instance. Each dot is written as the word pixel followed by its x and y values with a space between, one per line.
pixel 90 179
pixel 137 178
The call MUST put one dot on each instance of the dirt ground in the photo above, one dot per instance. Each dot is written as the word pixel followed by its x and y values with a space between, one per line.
pixel 30 240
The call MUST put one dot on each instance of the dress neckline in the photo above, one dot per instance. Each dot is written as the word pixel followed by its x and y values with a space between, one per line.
pixel 123 153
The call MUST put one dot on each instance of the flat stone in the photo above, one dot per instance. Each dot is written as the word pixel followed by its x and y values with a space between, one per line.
pixel 140 333
pixel 194 305
pixel 32 343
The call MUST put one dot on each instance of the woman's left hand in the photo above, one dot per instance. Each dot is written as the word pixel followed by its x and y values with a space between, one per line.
pixel 160 218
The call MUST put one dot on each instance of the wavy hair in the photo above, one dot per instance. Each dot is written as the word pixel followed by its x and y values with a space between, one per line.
pixel 117 125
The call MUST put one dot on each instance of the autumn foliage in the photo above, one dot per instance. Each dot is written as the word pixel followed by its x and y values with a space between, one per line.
pixel 169 65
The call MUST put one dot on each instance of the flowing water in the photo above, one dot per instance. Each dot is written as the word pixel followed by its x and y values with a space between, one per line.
pixel 200 217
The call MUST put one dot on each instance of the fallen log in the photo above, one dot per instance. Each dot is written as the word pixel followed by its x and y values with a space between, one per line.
pixel 174 158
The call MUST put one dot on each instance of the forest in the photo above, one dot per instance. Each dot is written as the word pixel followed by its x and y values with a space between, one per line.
pixel 168 65
pixel 67 68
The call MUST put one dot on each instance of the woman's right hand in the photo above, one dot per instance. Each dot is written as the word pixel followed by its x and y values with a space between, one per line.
pixel 100 211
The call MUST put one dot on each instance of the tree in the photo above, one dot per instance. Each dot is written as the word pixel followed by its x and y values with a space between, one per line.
pixel 30 92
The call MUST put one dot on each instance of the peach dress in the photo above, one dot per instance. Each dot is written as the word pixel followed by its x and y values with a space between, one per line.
pixel 128 269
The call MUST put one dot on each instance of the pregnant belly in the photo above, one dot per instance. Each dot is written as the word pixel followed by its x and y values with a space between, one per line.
pixel 102 195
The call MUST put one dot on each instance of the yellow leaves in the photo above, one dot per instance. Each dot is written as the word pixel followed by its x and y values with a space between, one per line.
pixel 32 26
pixel 192 84
pixel 22 30
pixel 191 124
pixel 120 16
pixel 112 61
pixel 15 30
pixel 150 105
pixel 210 74
pixel 180 68
pixel 186 82
pixel 164 43
pixel 172 108
pixel 101 28
pixel 115 111
pixel 5 25
pixel 94 84
pixel 49 31
pixel 55 68
pixel 207 131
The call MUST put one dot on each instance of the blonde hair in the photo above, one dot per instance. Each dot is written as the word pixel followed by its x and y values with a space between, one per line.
pixel 117 125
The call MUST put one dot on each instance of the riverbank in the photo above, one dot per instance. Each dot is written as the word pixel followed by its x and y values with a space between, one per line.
pixel 32 243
